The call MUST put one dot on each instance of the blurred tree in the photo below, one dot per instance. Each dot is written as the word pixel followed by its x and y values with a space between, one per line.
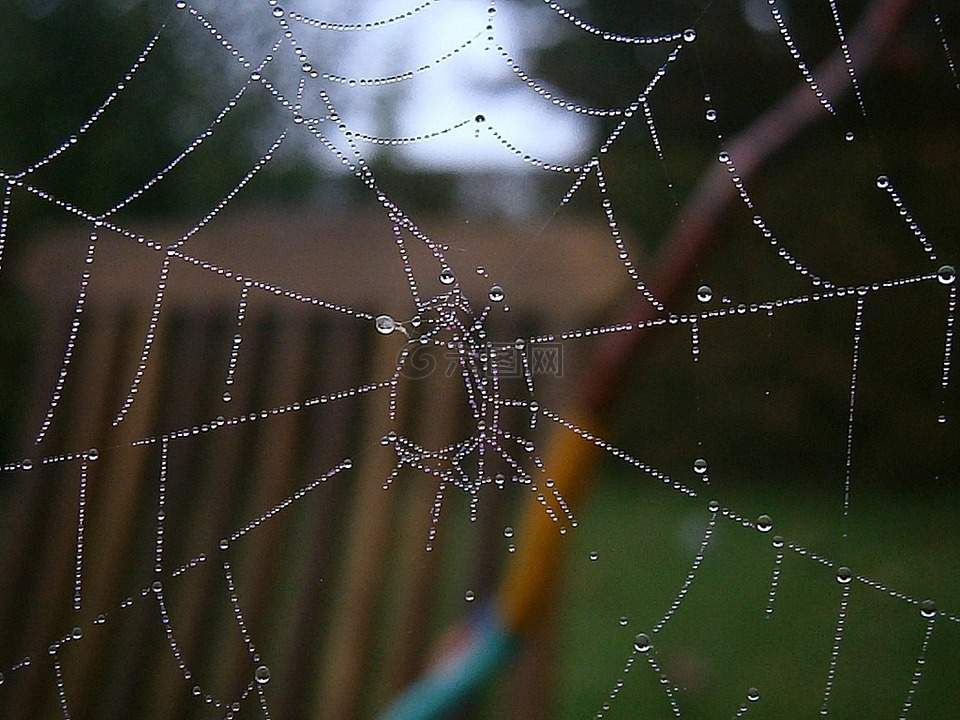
pixel 60 59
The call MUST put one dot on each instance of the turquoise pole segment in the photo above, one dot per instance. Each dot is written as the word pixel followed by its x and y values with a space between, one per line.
pixel 443 688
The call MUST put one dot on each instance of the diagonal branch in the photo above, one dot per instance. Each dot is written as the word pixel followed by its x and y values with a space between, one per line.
pixel 694 231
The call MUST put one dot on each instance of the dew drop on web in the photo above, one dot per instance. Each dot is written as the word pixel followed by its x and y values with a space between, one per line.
pixel 385 324
pixel 262 674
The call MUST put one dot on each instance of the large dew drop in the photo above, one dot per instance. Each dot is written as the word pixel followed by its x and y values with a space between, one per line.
pixel 946 275
pixel 496 294
pixel 764 523
pixel 641 643
pixel 262 674
pixel 447 277
pixel 385 324
pixel 844 575
pixel 704 293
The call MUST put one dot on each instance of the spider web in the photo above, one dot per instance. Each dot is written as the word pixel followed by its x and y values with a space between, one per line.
pixel 755 543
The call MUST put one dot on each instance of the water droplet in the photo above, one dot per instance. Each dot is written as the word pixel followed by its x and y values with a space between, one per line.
pixel 469 596
pixel 157 586
pixel 704 293
pixel 689 35
pixel 928 609
pixel 710 114
pixel 594 555
pixel 753 694
pixel 844 575
pixel 849 136
pixel 262 674
pixel 496 294
pixel 713 506
pixel 700 466
pixel 76 633
pixel 723 156
pixel 623 621
pixel 278 12
pixel 777 541
pixel 883 181
pixel 764 523
pixel 100 619
pixel 224 544
pixel 641 643
pixel 227 397
pixel 946 275
pixel 508 532
pixel 26 464
pixel 385 324
pixel 480 118
pixel 447 277
pixel 181 4
pixel 348 463
pixel 93 455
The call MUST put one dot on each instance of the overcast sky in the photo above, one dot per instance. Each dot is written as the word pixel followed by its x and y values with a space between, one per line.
pixel 474 81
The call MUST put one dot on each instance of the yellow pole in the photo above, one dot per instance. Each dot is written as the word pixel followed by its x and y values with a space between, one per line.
pixel 531 574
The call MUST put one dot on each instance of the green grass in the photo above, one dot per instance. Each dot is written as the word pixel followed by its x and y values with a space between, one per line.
pixel 721 642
